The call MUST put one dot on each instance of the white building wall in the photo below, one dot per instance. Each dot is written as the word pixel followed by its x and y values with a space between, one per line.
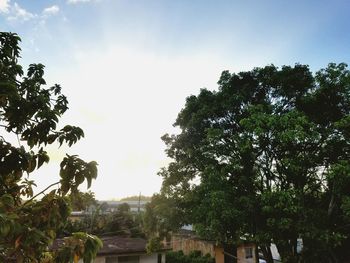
pixel 149 258
pixel 96 260
pixel 99 260
pixel 274 252
pixel 143 259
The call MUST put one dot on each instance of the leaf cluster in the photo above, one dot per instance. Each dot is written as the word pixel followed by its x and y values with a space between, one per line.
pixel 30 112
pixel 79 246
pixel 161 216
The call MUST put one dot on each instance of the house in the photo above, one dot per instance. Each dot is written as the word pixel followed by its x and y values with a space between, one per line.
pixel 246 253
pixel 187 242
pixel 117 249
pixel 127 250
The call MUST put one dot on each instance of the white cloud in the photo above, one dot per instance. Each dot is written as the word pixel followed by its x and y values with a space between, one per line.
pixel 19 13
pixel 77 1
pixel 52 10
pixel 4 6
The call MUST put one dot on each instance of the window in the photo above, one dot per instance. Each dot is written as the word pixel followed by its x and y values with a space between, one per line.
pixel 128 259
pixel 248 252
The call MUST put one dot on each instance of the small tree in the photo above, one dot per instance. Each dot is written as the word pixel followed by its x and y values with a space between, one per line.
pixel 82 200
pixel 31 112
pixel 162 215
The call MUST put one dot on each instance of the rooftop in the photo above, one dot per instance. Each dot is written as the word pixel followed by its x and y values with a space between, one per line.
pixel 117 245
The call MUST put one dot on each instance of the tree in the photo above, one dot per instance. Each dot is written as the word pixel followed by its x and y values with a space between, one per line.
pixel 162 215
pixel 82 200
pixel 31 112
pixel 124 208
pixel 98 222
pixel 266 159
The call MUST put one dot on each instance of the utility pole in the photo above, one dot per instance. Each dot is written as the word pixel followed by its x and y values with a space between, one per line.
pixel 139 209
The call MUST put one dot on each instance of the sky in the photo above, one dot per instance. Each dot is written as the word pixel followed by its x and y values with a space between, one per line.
pixel 127 67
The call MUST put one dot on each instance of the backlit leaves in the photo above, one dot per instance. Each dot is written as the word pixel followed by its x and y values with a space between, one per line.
pixel 74 171
pixel 31 111
pixel 79 246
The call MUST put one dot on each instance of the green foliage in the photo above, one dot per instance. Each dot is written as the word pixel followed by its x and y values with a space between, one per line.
pixel 124 208
pixel 31 111
pixel 154 244
pixel 266 158
pixel 74 171
pixel 121 223
pixel 160 217
pixel 193 257
pixel 79 246
pixel 82 200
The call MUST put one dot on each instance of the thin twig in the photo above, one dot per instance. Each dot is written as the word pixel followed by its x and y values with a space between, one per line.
pixel 31 199
pixel 19 143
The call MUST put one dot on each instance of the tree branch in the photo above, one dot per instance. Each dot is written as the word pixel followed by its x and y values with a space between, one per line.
pixel 31 199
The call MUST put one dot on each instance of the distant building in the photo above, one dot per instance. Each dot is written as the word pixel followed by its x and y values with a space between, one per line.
pixel 112 206
pixel 106 207
pixel 77 215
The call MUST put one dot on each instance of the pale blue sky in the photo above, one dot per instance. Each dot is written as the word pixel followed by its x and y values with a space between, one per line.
pixel 127 66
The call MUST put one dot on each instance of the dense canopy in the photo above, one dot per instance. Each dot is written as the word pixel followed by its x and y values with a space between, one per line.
pixel 265 158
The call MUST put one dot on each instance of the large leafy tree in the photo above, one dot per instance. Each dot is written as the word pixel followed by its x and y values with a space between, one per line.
pixel 29 112
pixel 266 158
